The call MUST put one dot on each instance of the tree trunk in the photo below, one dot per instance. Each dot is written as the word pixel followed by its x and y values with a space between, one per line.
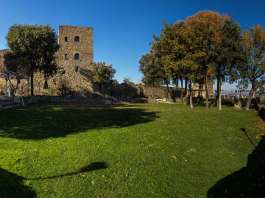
pixel 177 83
pixel 11 87
pixel 32 84
pixel 251 95
pixel 181 96
pixel 190 88
pixel 168 91
pixel 181 89
pixel 28 85
pixel 186 90
pixel 219 93
pixel 18 82
pixel 6 87
pixel 181 82
pixel 45 86
pixel 101 88
pixel 206 92
pixel 200 89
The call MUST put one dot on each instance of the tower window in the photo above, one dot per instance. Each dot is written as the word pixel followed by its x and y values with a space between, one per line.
pixel 77 38
pixel 66 39
pixel 76 68
pixel 77 56
pixel 66 56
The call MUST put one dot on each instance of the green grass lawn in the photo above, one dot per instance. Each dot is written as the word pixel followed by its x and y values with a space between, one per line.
pixel 155 150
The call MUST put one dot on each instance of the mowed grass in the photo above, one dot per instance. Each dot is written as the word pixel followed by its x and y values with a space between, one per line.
pixel 146 150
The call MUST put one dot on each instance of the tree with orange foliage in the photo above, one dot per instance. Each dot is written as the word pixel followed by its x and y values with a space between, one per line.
pixel 203 47
pixel 207 34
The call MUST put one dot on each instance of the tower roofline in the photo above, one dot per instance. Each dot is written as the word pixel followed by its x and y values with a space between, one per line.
pixel 75 26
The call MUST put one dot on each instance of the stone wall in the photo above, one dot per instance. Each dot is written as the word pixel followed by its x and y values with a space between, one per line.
pixel 73 40
pixel 75 53
pixel 2 54
pixel 201 91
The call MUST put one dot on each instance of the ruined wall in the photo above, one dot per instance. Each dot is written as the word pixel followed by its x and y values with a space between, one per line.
pixel 75 53
pixel 2 69
pixel 2 54
pixel 200 91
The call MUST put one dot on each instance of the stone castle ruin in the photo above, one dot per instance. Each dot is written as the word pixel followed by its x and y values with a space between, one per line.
pixel 74 59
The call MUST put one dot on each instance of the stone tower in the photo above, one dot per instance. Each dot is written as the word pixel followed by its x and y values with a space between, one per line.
pixel 74 59
pixel 75 54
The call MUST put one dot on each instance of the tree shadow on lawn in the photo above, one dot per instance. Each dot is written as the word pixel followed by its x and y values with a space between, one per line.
pixel 11 186
pixel 91 167
pixel 249 182
pixel 61 120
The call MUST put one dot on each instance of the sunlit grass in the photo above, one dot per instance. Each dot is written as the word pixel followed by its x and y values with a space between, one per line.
pixel 158 150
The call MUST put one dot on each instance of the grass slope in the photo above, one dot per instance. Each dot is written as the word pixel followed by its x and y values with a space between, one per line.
pixel 157 150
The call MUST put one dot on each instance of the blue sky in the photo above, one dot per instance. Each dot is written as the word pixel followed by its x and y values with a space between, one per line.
pixel 123 29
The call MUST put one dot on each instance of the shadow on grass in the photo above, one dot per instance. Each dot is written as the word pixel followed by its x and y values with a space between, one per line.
pixel 249 182
pixel 91 167
pixel 247 136
pixel 61 120
pixel 11 186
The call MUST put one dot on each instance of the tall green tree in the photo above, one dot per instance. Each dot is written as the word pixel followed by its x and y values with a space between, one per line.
pixel 179 58
pixel 37 45
pixel 253 70
pixel 160 54
pixel 206 28
pixel 228 55
pixel 174 41
pixel 152 69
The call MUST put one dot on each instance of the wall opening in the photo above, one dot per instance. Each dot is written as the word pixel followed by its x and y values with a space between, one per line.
pixel 77 56
pixel 76 68
pixel 77 38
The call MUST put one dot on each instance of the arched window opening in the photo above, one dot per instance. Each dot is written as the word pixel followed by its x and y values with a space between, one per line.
pixel 66 39
pixel 77 38
pixel 77 56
